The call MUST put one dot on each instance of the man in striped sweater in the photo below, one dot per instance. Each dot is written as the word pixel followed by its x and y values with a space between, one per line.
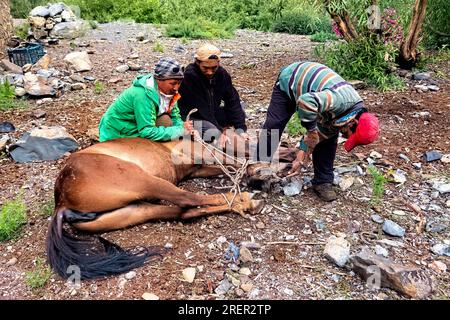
pixel 326 104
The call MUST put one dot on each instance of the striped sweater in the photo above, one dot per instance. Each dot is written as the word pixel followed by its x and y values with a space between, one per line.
pixel 320 93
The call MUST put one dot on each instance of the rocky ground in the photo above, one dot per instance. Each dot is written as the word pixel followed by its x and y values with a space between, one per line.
pixel 285 243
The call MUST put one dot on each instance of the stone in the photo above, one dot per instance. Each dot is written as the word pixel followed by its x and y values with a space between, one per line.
pixel 421 88
pixel 39 113
pixel 245 271
pixel 20 92
pixel 437 225
pixel 150 296
pixel 133 56
pixel 180 49
pixel 67 15
pixel 89 78
pixel 11 262
pixel 438 266
pixel 226 55
pixel 433 87
pixel 380 272
pixel 4 141
pixel 404 157
pixel 114 80
pixel 69 30
pixel 10 67
pixel 443 188
pixel 422 114
pixel 122 68
pixel 36 21
pixel 247 287
pixel 393 229
pixel 342 170
pixel 288 291
pixel 293 188
pixel 379 250
pixel 56 9
pixel 78 86
pixel 346 183
pixel 223 287
pixel 399 212
pixel 76 77
pixel 130 275
pixel 189 274
pixel 37 86
pixel 375 155
pixel 40 11
pixel 399 176
pixel 441 249
pixel 79 60
pixel 417 165
pixel 421 76
pixel 134 66
pixel 44 73
pixel 432 155
pixel 251 245
pixel 93 134
pixel 337 250
pixel 446 158
pixel 377 218
pixel 245 255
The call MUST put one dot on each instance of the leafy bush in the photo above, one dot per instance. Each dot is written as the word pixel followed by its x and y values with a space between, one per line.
pixel 323 37
pixel 7 100
pixel 436 26
pixel 37 278
pixel 199 29
pixel 12 217
pixel 22 30
pixel 294 127
pixel 21 8
pixel 365 59
pixel 308 20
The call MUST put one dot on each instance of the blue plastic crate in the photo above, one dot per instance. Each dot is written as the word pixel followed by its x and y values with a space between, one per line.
pixel 30 53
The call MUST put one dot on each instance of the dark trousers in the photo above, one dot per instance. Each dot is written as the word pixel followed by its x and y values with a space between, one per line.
pixel 280 111
pixel 208 131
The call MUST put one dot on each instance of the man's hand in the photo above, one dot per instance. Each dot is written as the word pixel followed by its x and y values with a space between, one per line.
pixel 223 140
pixel 189 129
pixel 245 136
pixel 301 161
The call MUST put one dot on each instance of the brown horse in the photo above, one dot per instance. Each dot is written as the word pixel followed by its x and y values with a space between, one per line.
pixel 118 184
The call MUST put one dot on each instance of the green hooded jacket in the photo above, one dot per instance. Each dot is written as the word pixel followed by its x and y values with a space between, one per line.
pixel 134 113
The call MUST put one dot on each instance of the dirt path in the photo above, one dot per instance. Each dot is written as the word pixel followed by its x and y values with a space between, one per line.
pixel 295 269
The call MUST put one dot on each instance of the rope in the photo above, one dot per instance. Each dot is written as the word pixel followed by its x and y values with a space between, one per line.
pixel 229 171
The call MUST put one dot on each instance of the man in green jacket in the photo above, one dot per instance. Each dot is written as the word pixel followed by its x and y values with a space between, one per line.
pixel 148 109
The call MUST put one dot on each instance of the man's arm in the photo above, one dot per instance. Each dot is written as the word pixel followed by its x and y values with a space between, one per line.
pixel 235 113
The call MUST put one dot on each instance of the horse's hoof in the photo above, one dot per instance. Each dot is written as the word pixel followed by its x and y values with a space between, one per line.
pixel 257 206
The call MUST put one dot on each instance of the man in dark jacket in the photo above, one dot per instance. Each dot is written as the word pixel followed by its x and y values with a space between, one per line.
pixel 208 87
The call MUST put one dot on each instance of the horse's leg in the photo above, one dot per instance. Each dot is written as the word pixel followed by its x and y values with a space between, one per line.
pixel 130 215
pixel 206 172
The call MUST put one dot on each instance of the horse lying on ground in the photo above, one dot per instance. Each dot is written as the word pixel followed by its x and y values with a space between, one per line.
pixel 117 184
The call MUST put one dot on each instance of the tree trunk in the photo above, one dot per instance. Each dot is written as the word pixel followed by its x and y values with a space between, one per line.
pixel 408 48
pixel 6 28
pixel 343 22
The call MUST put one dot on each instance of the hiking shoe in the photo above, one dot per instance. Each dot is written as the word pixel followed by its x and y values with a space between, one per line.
pixel 325 191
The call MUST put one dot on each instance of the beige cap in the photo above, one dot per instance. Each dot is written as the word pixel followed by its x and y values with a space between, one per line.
pixel 205 52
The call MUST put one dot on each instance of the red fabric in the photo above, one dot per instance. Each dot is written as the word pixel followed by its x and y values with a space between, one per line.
pixel 367 131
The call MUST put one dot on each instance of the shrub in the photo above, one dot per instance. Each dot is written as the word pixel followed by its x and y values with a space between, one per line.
pixel 7 100
pixel 378 181
pixel 22 30
pixel 307 21
pixel 294 127
pixel 199 29
pixel 99 87
pixel 158 47
pixel 37 278
pixel 12 217
pixel 364 59
pixel 323 37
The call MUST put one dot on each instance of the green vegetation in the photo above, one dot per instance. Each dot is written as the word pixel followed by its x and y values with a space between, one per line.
pixel 369 60
pixel 323 37
pixel 12 217
pixel 37 278
pixel 7 100
pixel 47 208
pixel 22 30
pixel 305 20
pixel 99 87
pixel 200 28
pixel 294 127
pixel 378 181
pixel 158 47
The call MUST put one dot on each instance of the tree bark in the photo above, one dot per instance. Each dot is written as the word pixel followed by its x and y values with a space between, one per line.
pixel 343 22
pixel 408 48
pixel 6 28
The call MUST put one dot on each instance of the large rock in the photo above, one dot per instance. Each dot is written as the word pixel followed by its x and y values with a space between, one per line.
pixel 380 272
pixel 79 60
pixel 37 86
pixel 47 143
pixel 69 30
pixel 36 21
pixel 10 67
pixel 40 11
pixel 337 250
pixel 56 8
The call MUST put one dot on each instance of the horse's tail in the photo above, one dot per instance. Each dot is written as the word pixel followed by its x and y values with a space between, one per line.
pixel 93 255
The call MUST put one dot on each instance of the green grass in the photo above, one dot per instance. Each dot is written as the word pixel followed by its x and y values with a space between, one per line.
pixel 294 127
pixel 7 96
pixel 200 28
pixel 38 277
pixel 158 47
pixel 323 37
pixel 378 182
pixel 99 87
pixel 12 218
pixel 22 30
